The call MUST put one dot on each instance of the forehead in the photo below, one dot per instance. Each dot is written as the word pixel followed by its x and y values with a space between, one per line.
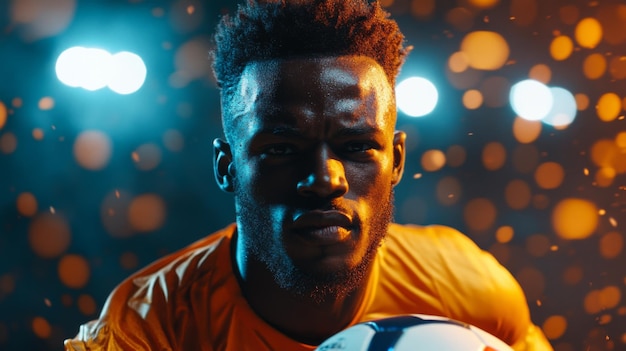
pixel 333 87
pixel 333 73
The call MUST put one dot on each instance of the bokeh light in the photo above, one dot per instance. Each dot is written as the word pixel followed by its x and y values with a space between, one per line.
pixel 93 69
pixel 416 96
pixel 3 114
pixel 146 213
pixel 494 156
pixel 609 106
pixel 74 271
pixel 574 218
pixel 554 327
pixel 433 160
pixel 485 50
pixel 588 32
pixel 49 235
pixel 561 47
pixel 531 100
pixel 563 111
pixel 549 175
pixel 479 214
pixel 26 204
pixel 92 150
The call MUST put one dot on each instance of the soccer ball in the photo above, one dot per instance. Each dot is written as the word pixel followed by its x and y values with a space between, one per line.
pixel 415 332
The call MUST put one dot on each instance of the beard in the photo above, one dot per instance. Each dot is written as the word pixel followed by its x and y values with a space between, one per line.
pixel 263 244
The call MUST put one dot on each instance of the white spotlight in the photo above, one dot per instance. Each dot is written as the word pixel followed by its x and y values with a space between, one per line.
pixel 416 96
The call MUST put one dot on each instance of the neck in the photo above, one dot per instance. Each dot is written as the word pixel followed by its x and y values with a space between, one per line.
pixel 298 317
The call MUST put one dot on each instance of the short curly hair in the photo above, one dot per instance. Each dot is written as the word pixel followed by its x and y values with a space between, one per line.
pixel 272 29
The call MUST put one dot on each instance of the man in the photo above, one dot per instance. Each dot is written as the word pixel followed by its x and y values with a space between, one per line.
pixel 312 156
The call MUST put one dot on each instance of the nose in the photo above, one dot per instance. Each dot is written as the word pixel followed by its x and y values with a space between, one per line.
pixel 327 179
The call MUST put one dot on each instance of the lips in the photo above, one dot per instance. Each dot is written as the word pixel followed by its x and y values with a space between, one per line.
pixel 320 227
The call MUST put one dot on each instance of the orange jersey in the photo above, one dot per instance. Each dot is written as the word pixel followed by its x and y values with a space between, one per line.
pixel 191 300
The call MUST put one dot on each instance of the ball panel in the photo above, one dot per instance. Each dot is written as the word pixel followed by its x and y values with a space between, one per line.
pixel 439 335
pixel 355 338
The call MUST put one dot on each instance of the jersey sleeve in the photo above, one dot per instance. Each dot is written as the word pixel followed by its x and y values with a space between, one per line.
pixel 464 282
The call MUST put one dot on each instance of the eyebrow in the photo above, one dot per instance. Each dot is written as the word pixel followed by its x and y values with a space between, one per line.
pixel 290 132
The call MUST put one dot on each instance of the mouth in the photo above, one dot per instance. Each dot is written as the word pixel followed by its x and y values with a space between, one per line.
pixel 323 228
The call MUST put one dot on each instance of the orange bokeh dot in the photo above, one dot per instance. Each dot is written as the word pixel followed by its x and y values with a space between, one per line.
pixel 561 47
pixel 38 134
pixel 611 245
pixel 485 50
pixel 479 214
pixel 554 327
pixel 604 152
pixel 594 66
pixel 433 160
pixel 588 32
pixel 92 150
pixel 146 213
pixel 41 327
pixel 46 103
pixel 526 131
pixel 609 106
pixel 8 143
pixel 493 156
pixel 541 73
pixel 598 300
pixel 3 114
pixel 26 204
pixel 472 99
pixel 505 234
pixel 517 194
pixel 74 271
pixel 549 175
pixel 458 62
pixel 49 235
pixel 582 101
pixel 423 8
pixel 86 304
pixel 605 176
pixel 574 218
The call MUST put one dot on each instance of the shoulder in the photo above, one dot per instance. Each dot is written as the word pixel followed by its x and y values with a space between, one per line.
pixel 141 306
pixel 470 282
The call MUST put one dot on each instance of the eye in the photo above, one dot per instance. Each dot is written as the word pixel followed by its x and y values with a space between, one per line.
pixel 280 150
pixel 359 147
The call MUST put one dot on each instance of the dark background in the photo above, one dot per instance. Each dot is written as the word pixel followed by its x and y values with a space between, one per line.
pixel 574 287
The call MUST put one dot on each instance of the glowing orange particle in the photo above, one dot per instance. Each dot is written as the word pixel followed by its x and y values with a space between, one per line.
pixel 588 32
pixel 27 204
pixel 554 327
pixel 41 327
pixel 74 271
pixel 574 218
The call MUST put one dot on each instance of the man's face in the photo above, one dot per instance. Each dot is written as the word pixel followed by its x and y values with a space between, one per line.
pixel 315 159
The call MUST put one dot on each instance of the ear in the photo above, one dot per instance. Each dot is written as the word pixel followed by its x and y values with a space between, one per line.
pixel 399 155
pixel 223 165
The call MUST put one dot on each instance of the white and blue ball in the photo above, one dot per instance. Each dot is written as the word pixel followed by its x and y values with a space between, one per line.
pixel 416 332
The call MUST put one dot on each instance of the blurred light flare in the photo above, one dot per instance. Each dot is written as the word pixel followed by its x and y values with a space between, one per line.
pixel 563 111
pixel 93 69
pixel 531 99
pixel 485 50
pixel 416 96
